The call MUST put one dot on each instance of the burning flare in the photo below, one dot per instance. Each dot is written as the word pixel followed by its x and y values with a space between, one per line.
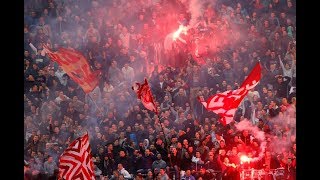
pixel 244 159
pixel 176 35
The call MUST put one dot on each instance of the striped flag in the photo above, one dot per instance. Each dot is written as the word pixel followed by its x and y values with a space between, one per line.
pixel 226 103
pixel 76 66
pixel 75 163
pixel 144 94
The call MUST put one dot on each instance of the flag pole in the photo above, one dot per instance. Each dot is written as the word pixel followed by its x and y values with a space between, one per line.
pixel 155 111
pixel 95 104
pixel 165 137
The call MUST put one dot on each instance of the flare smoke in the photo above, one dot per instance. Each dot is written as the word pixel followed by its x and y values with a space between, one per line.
pixel 247 125
pixel 196 11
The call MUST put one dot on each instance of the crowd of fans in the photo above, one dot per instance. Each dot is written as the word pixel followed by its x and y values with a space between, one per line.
pixel 126 41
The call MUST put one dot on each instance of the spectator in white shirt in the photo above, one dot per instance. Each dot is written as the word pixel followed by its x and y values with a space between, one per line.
pixel 123 171
pixel 59 74
pixel 61 97
pixel 128 72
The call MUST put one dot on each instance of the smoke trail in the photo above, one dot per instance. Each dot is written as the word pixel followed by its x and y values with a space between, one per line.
pixel 284 130
pixel 196 10
pixel 247 125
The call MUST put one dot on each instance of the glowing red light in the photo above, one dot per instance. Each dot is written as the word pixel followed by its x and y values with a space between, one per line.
pixel 244 159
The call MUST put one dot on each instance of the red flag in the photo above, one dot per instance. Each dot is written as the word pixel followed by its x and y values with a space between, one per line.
pixel 75 162
pixel 253 78
pixel 225 104
pixel 76 66
pixel 144 94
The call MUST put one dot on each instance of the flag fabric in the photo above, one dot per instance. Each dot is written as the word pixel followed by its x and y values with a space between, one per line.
pixel 144 94
pixel 226 103
pixel 253 77
pixel 76 66
pixel 75 162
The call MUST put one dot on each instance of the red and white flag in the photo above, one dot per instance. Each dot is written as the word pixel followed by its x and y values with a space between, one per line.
pixel 76 66
pixel 144 94
pixel 75 163
pixel 225 104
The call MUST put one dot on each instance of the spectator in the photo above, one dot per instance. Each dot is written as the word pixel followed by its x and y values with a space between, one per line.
pixel 128 72
pixel 115 75
pixel 203 174
pixel 109 165
pixel 124 172
pixel 163 175
pixel 197 162
pixel 49 167
pixel 228 169
pixel 216 54
pixel 97 171
pixel 150 175
pixel 188 176
pixel 158 164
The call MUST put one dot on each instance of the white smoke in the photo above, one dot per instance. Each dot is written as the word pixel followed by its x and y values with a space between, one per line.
pixel 286 124
pixel 257 133
pixel 284 132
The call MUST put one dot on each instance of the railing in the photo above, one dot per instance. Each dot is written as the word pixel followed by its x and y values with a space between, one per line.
pixel 255 174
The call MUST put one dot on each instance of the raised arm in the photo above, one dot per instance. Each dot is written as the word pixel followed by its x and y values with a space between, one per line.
pixel 174 112
pixel 281 63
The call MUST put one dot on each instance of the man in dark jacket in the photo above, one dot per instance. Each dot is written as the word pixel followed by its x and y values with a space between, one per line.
pixel 124 160
pixel 149 158
pixel 281 87
pixel 139 162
